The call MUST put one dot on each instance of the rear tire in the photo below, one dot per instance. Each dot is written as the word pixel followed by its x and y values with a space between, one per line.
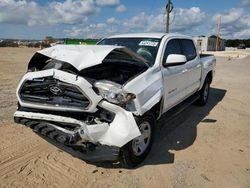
pixel 204 93
pixel 134 152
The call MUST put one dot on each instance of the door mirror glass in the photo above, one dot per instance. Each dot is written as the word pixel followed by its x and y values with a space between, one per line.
pixel 175 60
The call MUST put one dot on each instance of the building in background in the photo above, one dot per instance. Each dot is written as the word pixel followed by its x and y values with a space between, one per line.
pixel 204 43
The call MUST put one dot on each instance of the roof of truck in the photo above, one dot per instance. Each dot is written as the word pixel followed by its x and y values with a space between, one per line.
pixel 145 35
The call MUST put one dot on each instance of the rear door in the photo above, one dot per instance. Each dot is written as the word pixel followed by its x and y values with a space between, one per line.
pixel 175 77
pixel 193 66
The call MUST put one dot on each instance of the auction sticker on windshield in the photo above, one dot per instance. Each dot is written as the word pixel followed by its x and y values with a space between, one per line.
pixel 148 43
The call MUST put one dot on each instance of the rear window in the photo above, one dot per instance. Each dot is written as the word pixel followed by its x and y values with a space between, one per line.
pixel 188 49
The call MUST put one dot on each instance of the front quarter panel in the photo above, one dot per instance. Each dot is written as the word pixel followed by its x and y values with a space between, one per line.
pixel 148 90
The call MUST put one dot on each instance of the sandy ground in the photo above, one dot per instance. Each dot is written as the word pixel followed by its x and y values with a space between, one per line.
pixel 201 147
pixel 231 53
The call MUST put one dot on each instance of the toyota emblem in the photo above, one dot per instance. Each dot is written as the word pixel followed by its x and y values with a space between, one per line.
pixel 56 90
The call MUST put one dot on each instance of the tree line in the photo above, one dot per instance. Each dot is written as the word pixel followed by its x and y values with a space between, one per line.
pixel 237 42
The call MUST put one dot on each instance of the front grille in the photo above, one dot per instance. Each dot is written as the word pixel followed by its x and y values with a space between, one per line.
pixel 53 92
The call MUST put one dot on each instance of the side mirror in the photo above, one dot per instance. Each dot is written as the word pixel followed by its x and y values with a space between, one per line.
pixel 175 60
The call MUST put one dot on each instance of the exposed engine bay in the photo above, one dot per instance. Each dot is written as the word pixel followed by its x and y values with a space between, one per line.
pixel 117 72
pixel 118 67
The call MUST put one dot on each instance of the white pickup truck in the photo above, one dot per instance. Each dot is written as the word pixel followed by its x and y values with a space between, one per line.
pixel 101 102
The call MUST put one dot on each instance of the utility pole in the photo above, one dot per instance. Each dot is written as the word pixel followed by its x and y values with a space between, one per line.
pixel 218 34
pixel 168 13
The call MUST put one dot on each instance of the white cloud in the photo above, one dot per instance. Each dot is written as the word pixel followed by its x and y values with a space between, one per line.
pixel 245 2
pixel 112 20
pixel 74 31
pixel 77 12
pixel 243 34
pixel 17 12
pixel 30 13
pixel 230 16
pixel 185 19
pixel 245 20
pixel 139 21
pixel 181 19
pixel 121 8
pixel 90 31
pixel 70 12
pixel 234 23
pixel 107 2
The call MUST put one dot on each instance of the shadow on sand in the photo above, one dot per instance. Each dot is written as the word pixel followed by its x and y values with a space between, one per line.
pixel 178 132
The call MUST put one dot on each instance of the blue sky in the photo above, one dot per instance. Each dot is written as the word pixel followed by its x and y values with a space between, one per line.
pixel 35 19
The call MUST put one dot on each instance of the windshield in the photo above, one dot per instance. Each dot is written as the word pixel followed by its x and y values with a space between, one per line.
pixel 145 47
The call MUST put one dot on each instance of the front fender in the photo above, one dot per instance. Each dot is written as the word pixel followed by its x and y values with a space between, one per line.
pixel 148 88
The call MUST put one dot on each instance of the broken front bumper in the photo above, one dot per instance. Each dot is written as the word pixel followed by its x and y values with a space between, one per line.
pixel 116 134
pixel 67 140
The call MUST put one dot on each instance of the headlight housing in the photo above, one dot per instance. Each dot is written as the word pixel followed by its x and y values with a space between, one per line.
pixel 113 92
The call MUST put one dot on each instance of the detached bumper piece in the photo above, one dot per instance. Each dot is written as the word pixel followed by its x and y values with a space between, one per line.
pixel 49 130
pixel 70 141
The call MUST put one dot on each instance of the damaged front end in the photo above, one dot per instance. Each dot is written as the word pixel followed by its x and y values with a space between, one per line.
pixel 83 107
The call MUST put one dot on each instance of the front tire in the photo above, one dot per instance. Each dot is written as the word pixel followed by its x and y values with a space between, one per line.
pixel 134 152
pixel 204 93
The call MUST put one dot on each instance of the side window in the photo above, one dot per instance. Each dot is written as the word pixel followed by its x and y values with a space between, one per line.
pixel 173 47
pixel 188 49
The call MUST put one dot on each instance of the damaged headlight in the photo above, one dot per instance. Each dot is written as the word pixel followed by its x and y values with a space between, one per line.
pixel 113 92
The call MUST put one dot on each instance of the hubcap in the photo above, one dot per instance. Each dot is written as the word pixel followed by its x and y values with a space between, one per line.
pixel 140 143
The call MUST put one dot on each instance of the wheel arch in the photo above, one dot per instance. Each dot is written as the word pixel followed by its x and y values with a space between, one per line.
pixel 157 109
pixel 210 76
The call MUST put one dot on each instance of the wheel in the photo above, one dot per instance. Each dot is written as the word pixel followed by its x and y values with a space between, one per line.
pixel 204 93
pixel 136 150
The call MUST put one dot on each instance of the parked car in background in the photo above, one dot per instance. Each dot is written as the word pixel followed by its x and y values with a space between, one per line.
pixel 242 46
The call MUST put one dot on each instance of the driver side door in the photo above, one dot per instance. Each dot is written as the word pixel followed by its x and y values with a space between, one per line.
pixel 174 77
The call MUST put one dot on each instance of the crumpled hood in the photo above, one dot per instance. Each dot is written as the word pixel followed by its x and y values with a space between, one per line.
pixel 80 56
